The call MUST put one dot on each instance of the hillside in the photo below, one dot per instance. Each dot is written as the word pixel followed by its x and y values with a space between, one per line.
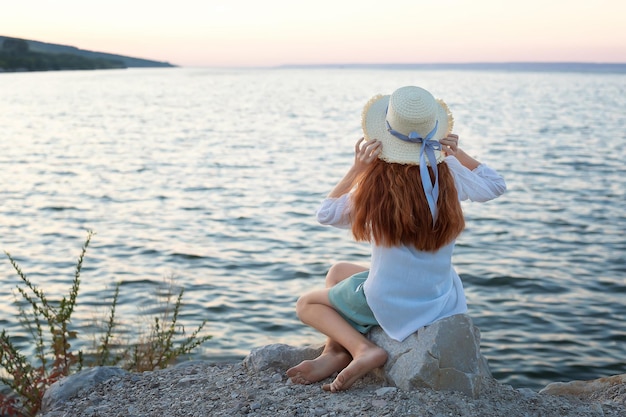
pixel 29 55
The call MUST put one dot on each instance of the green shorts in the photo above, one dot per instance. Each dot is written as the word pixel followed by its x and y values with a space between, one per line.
pixel 348 299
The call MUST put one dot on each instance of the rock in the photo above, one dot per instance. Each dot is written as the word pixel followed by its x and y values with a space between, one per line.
pixel 61 391
pixel 443 356
pixel 188 380
pixel 611 388
pixel 279 356
pixel 385 390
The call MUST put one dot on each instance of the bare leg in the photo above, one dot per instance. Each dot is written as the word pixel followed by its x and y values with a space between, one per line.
pixel 314 309
pixel 334 357
pixel 340 271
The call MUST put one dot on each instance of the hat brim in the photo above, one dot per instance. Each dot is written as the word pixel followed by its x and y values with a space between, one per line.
pixel 373 121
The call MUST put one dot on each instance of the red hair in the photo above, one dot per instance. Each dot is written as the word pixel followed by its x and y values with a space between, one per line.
pixel 390 207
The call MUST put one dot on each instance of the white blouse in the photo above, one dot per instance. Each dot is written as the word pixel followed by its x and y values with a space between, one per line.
pixel 406 288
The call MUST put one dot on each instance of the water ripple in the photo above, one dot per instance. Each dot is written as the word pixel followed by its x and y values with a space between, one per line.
pixel 192 175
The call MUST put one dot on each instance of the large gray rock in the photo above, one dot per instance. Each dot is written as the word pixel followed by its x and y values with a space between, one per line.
pixel 61 391
pixel 443 356
pixel 279 356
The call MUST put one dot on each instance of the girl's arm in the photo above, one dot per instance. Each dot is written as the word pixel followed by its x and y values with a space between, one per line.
pixel 335 209
pixel 451 147
pixel 363 156
pixel 473 180
pixel 466 160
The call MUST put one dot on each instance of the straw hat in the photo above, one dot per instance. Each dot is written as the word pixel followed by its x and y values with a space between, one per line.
pixel 410 111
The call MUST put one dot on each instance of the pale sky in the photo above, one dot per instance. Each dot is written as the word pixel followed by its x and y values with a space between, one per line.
pixel 276 32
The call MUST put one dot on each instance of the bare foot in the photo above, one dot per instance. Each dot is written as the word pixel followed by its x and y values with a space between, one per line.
pixel 369 360
pixel 308 372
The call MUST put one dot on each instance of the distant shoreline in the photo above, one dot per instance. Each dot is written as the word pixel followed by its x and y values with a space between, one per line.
pixel 585 67
pixel 24 55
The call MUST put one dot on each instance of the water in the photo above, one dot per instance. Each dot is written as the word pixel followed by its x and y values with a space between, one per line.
pixel 213 177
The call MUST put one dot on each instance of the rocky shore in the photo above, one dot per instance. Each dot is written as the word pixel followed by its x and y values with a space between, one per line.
pixel 199 389
pixel 438 371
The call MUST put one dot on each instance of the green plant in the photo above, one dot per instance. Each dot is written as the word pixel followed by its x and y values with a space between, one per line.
pixel 154 349
pixel 157 349
pixel 28 382
pixel 103 351
pixel 54 358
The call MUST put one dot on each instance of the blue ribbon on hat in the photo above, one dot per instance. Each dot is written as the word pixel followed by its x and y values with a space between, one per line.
pixel 429 145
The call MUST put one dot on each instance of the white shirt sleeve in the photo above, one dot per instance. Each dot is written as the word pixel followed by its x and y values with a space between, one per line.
pixel 480 184
pixel 335 212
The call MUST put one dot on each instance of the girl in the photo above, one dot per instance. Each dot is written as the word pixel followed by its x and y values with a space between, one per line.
pixel 402 194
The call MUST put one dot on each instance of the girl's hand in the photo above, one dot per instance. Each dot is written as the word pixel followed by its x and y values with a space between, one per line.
pixel 450 144
pixel 364 154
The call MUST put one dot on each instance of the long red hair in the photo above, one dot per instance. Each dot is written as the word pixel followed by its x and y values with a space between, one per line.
pixel 390 207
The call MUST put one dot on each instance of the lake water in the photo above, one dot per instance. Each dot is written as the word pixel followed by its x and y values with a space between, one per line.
pixel 213 177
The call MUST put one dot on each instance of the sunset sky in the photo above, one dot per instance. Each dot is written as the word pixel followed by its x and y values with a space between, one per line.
pixel 275 32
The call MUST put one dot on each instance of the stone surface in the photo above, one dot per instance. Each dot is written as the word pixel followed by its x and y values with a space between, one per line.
pixel 612 387
pixel 443 356
pixel 66 388
pixel 229 389
pixel 279 356
pixel 446 353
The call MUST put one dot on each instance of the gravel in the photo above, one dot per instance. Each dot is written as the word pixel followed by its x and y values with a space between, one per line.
pixel 200 389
